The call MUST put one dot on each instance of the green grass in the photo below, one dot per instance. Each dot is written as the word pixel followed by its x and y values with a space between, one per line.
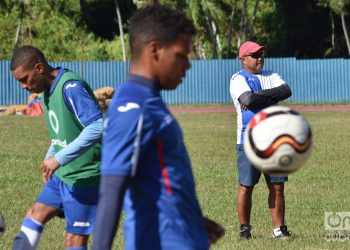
pixel 321 186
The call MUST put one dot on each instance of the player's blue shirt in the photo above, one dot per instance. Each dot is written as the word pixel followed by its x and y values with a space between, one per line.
pixel 78 100
pixel 255 85
pixel 144 141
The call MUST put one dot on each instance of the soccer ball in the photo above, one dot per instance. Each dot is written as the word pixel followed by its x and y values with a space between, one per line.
pixel 2 225
pixel 278 141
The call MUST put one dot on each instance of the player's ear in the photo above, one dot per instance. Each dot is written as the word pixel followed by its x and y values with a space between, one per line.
pixel 243 60
pixel 39 67
pixel 154 49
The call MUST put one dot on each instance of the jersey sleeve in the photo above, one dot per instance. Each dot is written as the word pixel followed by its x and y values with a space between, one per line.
pixel 276 80
pixel 79 101
pixel 87 138
pixel 238 86
pixel 126 127
pixel 112 191
pixel 50 152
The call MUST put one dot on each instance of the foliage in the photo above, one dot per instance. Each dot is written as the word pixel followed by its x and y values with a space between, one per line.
pixel 7 28
pixel 70 30
pixel 57 28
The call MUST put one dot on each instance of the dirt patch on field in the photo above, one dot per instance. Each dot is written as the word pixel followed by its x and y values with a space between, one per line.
pixel 190 109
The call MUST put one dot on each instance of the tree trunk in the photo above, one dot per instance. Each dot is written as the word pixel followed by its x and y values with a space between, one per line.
pixel 212 35
pixel 333 30
pixel 230 28
pixel 121 33
pixel 342 15
pixel 85 11
pixel 18 30
pixel 250 35
pixel 201 51
pixel 242 24
pixel 216 34
pixel 153 2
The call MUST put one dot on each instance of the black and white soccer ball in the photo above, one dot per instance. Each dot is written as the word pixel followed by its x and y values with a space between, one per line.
pixel 2 225
pixel 278 140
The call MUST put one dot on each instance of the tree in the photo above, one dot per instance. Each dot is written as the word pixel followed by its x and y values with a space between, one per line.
pixel 21 10
pixel 230 28
pixel 251 27
pixel 120 25
pixel 242 24
pixel 209 17
pixel 86 29
pixel 339 8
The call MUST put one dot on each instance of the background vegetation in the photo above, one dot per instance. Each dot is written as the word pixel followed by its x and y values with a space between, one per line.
pixel 321 186
pixel 71 30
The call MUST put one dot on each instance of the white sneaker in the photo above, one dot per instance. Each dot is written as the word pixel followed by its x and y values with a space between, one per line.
pixel 281 232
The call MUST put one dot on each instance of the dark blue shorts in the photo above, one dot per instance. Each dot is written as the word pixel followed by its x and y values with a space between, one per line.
pixel 248 175
pixel 77 204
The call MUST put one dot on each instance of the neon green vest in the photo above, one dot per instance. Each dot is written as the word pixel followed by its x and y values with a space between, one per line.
pixel 64 127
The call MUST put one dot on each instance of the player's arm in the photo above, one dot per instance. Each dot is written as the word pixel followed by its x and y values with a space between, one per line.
pixel 265 98
pixel 277 94
pixel 214 230
pixel 112 191
pixel 126 131
pixel 255 100
pixel 88 137
pixel 50 152
pixel 241 91
pixel 279 89
pixel 88 113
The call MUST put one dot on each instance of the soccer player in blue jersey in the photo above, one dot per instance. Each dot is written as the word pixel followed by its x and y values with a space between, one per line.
pixel 71 169
pixel 253 89
pixel 144 159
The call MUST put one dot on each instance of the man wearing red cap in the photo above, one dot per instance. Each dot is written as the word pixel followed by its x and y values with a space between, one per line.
pixel 253 89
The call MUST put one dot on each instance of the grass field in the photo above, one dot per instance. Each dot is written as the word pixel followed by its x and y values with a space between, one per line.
pixel 322 186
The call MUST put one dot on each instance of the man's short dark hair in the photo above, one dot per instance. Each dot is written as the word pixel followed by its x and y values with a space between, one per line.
pixel 157 23
pixel 27 56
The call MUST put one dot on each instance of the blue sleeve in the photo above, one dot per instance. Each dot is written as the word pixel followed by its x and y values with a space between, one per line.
pixel 50 152
pixel 79 101
pixel 112 191
pixel 127 129
pixel 88 137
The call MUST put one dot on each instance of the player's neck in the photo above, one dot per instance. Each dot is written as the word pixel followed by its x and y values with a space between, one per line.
pixel 253 72
pixel 142 69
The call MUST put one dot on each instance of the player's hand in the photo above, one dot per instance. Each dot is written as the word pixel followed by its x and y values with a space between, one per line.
pixel 244 107
pixel 48 167
pixel 214 230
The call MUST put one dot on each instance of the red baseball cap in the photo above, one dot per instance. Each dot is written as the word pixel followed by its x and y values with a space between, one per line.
pixel 250 48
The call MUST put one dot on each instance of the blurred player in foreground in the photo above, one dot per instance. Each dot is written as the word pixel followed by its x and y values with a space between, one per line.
pixel 71 167
pixel 253 89
pixel 144 157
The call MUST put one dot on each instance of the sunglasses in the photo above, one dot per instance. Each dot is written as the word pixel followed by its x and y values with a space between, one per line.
pixel 256 55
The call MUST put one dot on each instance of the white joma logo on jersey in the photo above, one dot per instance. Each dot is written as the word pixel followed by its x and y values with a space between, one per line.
pixel 81 224
pixel 128 106
pixel 168 119
pixel 71 85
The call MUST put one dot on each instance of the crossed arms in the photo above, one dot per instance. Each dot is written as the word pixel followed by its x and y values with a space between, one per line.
pixel 264 98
